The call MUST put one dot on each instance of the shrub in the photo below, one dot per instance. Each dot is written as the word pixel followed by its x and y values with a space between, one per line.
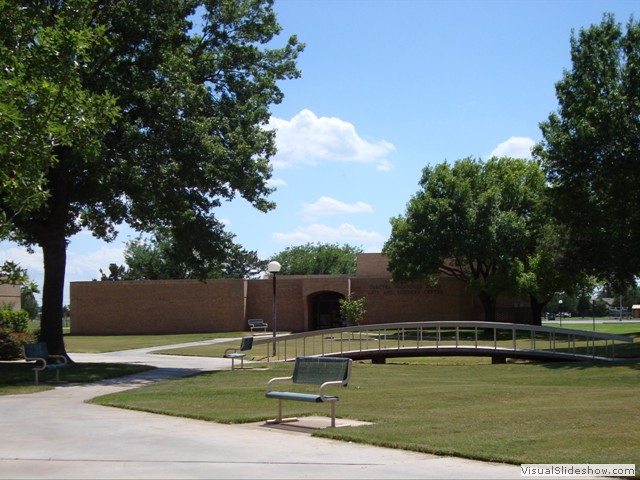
pixel 14 320
pixel 13 332
pixel 352 311
pixel 11 343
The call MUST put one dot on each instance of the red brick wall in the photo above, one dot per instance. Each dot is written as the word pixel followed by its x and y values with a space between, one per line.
pixel 372 265
pixel 413 302
pixel 290 311
pixel 292 294
pixel 185 306
pixel 157 307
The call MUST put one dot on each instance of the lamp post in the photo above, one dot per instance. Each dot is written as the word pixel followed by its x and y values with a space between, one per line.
pixel 273 268
pixel 560 313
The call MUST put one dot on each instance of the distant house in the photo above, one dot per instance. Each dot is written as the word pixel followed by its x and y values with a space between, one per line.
pixel 10 295
pixel 635 311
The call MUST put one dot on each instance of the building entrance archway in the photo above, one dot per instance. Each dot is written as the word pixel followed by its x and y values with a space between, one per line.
pixel 324 310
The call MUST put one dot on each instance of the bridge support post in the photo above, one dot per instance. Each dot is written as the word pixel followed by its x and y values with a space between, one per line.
pixel 498 360
pixel 378 360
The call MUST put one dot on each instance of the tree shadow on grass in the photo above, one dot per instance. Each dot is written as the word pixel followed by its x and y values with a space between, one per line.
pixel 632 363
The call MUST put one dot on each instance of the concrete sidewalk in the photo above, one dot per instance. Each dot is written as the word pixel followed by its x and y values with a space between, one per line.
pixel 54 434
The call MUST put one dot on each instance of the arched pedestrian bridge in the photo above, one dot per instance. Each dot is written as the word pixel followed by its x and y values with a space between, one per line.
pixel 417 339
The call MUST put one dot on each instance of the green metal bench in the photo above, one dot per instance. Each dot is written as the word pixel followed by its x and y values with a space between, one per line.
pixel 233 353
pixel 39 353
pixel 257 324
pixel 322 371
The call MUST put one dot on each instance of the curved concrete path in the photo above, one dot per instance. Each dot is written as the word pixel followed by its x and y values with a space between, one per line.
pixel 55 434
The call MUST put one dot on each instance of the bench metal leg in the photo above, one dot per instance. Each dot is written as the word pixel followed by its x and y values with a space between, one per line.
pixel 333 414
pixel 279 419
pixel 233 365
pixel 36 372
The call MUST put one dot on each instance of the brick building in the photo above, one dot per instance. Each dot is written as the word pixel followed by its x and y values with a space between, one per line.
pixel 303 302
pixel 10 295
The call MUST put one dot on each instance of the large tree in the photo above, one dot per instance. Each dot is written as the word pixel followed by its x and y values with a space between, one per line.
pixel 318 259
pixel 43 104
pixel 476 221
pixel 161 258
pixel 591 151
pixel 546 270
pixel 191 104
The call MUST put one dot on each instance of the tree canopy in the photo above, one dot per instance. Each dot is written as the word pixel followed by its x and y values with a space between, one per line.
pixel 591 151
pixel 164 122
pixel 476 221
pixel 318 259
pixel 13 274
pixel 44 105
pixel 160 258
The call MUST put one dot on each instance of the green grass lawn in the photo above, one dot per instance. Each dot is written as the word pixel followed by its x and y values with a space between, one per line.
pixel 516 413
pixel 619 328
pixel 113 343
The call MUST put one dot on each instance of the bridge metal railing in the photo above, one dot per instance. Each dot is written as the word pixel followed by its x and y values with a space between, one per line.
pixel 398 339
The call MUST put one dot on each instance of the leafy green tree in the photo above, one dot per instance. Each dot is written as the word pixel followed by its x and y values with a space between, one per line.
pixel 182 124
pixel 159 258
pixel 29 303
pixel 116 272
pixel 352 310
pixel 44 106
pixel 632 295
pixel 13 274
pixel 318 259
pixel 476 221
pixel 153 259
pixel 546 270
pixel 591 151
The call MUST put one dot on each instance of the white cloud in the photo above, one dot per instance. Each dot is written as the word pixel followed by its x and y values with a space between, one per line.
pixel 80 266
pixel 276 182
pixel 516 147
pixel 86 266
pixel 32 262
pixel 384 166
pixel 331 206
pixel 316 232
pixel 307 138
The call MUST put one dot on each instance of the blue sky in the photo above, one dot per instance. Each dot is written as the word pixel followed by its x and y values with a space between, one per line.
pixel 387 88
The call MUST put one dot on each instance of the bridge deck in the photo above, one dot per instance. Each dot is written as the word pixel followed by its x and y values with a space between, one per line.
pixel 498 355
pixel 488 339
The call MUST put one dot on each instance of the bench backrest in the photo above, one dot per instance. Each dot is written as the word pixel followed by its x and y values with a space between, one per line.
pixel 256 322
pixel 317 370
pixel 36 350
pixel 246 344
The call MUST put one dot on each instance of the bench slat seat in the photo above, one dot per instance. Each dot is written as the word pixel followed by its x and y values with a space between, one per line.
pixel 302 397
pixel 257 324
pixel 233 353
pixel 39 353
pixel 321 371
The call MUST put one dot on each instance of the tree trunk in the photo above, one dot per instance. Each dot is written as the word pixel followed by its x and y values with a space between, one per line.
pixel 489 304
pixel 54 251
pixel 536 310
